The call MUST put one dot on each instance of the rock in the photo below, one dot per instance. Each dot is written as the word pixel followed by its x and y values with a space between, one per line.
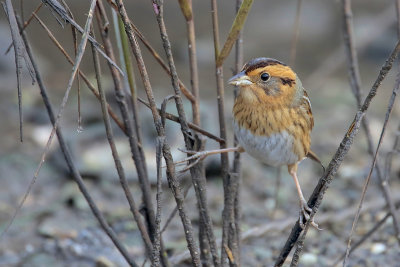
pixel 309 259
pixel 103 262
pixel 378 248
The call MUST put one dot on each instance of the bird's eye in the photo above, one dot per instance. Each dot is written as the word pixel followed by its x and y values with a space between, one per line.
pixel 264 76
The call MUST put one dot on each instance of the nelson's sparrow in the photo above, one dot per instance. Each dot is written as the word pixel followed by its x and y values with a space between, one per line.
pixel 272 118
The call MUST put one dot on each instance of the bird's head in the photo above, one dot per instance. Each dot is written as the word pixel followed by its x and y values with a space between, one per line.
pixel 269 81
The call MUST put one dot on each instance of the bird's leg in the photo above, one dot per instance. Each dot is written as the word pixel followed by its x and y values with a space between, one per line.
pixel 305 210
pixel 200 155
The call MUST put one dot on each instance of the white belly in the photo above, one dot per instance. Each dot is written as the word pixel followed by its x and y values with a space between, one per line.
pixel 274 150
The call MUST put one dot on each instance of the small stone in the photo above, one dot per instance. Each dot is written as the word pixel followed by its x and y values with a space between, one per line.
pixel 378 248
pixel 308 259
pixel 103 262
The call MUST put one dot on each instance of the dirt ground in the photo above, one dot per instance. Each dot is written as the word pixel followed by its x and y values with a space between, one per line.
pixel 55 226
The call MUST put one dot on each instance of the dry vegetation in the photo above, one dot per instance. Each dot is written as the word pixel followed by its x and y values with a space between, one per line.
pixel 142 87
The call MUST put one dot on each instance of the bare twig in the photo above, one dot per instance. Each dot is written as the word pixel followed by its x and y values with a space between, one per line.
pixel 82 75
pixel 71 165
pixel 187 11
pixel 387 116
pixel 26 23
pixel 376 25
pixel 197 172
pixel 20 53
pixel 117 160
pixel 355 82
pixel 173 182
pixel 78 59
pixel 227 213
pixel 344 147
pixel 365 237
pixel 134 145
pixel 60 10
pixel 235 232
pixel 237 26
pixel 280 225
pixel 192 126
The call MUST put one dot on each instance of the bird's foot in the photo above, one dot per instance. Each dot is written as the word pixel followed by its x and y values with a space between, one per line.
pixel 305 214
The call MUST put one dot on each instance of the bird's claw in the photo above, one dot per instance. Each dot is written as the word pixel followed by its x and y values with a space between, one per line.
pixel 305 212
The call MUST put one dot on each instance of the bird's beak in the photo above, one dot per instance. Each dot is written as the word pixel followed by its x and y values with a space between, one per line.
pixel 240 79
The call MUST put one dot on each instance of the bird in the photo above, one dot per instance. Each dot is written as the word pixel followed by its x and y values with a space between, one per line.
pixel 272 119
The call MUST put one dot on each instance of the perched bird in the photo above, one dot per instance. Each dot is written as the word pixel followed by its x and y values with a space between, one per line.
pixel 272 118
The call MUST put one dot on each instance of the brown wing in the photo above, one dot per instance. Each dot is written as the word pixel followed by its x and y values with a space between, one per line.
pixel 306 104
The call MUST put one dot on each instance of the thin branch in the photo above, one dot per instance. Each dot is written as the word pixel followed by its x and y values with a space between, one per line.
pixel 355 82
pixel 78 59
pixel 334 61
pixel 344 147
pixel 235 232
pixel 137 156
pixel 365 187
pixel 186 7
pixel 117 161
pixel 71 165
pixel 82 75
pixel 197 172
pixel 365 237
pixel 237 26
pixel 156 56
pixel 192 126
pixel 20 53
pixel 60 10
pixel 26 23
pixel 228 201
pixel 171 175
pixel 280 225
pixel 205 249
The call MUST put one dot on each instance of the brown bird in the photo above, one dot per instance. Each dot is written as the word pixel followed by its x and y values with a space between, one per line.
pixel 272 118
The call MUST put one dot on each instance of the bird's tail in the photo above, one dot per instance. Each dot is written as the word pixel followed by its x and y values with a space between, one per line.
pixel 314 157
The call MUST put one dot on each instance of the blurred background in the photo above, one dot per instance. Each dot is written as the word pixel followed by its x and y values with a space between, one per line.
pixel 56 228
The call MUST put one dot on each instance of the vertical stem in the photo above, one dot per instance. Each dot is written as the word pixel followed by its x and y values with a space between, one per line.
pixel 234 237
pixel 197 172
pixel 228 201
pixel 170 167
pixel 355 82
pixel 134 144
pixel 187 11
pixel 71 165
pixel 117 160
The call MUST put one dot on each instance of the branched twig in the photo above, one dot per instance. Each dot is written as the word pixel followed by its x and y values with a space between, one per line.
pixel 26 23
pixel 82 75
pixel 355 82
pixel 20 53
pixel 117 160
pixel 78 59
pixel 192 126
pixel 237 26
pixel 345 145
pixel 365 187
pixel 187 11
pixel 60 10
pixel 134 145
pixel 198 176
pixel 280 225
pixel 71 165
pixel 171 175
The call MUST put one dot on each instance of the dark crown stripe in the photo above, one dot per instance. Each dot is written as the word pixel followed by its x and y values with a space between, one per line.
pixel 260 62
